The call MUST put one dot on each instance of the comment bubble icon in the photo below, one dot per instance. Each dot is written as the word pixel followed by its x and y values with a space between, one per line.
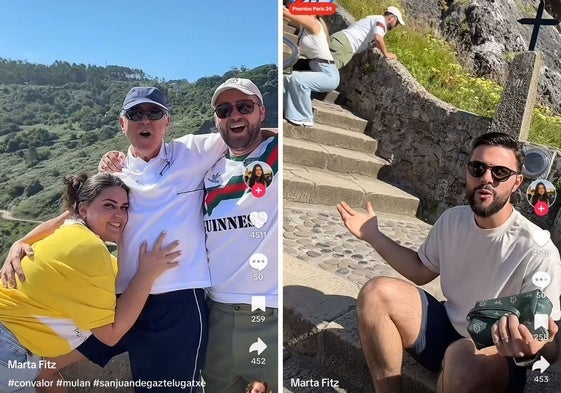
pixel 258 261
pixel 541 279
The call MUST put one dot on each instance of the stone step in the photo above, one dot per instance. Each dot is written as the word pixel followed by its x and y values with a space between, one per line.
pixel 335 159
pixel 322 187
pixel 330 97
pixel 332 136
pixel 288 29
pixel 302 374
pixel 320 321
pixel 336 116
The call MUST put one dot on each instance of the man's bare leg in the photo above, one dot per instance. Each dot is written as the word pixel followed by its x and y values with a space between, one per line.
pixel 467 369
pixel 389 319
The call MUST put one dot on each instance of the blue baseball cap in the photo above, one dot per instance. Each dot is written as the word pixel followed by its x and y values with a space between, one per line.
pixel 145 95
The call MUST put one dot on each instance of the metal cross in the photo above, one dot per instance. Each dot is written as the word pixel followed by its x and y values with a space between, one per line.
pixel 537 22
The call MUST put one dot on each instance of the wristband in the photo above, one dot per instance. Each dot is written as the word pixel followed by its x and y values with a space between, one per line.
pixel 525 361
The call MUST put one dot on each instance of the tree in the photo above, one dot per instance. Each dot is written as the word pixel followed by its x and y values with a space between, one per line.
pixel 33 188
pixel 32 157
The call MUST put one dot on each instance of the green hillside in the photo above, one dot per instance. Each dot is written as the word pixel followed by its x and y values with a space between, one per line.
pixel 60 119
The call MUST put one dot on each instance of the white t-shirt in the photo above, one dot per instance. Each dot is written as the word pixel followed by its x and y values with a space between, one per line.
pixel 167 195
pixel 315 46
pixel 362 33
pixel 478 264
pixel 234 235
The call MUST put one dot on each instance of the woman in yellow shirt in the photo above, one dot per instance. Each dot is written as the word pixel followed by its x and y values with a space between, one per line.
pixel 69 291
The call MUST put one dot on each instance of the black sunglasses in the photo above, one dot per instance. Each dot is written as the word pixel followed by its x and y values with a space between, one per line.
pixel 244 107
pixel 499 173
pixel 138 114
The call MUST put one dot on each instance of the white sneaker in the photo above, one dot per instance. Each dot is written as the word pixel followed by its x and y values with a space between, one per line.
pixel 301 123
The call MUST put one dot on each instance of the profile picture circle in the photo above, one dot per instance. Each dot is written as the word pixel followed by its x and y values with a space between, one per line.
pixel 541 190
pixel 258 172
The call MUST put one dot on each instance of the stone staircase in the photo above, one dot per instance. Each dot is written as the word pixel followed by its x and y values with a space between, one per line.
pixel 327 163
pixel 330 162
pixel 334 161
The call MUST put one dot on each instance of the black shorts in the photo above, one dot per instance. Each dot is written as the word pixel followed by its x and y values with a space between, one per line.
pixel 437 333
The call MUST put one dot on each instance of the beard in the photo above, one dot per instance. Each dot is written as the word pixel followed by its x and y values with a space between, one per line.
pixel 242 141
pixel 499 201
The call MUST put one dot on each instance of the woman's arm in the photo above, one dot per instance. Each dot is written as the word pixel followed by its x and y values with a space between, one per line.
pixel 21 248
pixel 309 22
pixel 151 264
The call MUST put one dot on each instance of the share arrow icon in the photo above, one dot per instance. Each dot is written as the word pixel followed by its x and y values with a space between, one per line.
pixel 258 346
pixel 541 364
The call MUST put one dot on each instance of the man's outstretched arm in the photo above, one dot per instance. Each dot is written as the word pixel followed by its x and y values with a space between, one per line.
pixel 381 45
pixel 404 260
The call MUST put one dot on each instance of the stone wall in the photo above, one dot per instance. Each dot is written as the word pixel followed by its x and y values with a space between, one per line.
pixel 426 140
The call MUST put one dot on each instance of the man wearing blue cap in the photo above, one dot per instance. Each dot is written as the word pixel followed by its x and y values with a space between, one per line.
pixel 168 341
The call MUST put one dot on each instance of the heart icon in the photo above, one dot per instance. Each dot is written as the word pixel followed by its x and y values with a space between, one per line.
pixel 258 219
pixel 541 237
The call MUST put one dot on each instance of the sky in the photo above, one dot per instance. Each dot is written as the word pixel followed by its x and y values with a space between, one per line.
pixel 167 39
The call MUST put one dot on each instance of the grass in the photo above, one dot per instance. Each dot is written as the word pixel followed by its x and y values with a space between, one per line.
pixel 434 64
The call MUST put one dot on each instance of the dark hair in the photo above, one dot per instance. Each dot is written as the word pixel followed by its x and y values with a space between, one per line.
pixel 537 197
pixel 83 188
pixel 255 166
pixel 262 179
pixel 252 383
pixel 502 140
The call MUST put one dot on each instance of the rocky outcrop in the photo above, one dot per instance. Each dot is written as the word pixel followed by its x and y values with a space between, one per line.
pixel 486 35
pixel 554 8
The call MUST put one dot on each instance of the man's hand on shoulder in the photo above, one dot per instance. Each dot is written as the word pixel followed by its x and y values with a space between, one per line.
pixel 12 264
pixel 111 162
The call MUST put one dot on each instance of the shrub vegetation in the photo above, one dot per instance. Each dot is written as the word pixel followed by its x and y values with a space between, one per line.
pixel 433 62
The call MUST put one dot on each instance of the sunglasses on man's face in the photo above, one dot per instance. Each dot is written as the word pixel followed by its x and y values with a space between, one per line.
pixel 244 107
pixel 499 173
pixel 138 114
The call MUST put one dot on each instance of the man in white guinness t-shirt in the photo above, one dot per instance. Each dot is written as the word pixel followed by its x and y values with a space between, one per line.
pixel 241 223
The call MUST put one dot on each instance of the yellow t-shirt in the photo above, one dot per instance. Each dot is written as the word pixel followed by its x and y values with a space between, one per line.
pixel 69 289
